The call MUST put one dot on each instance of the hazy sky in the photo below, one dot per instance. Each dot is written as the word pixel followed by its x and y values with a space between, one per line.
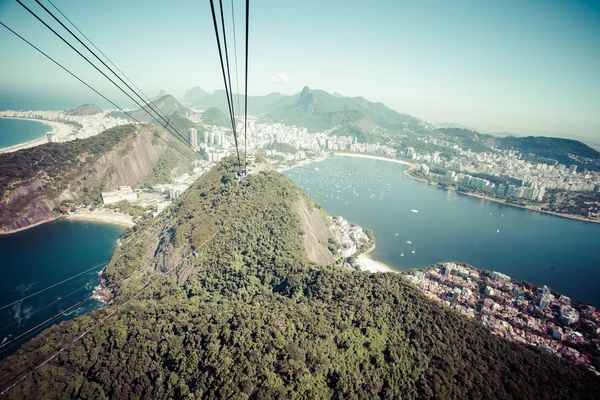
pixel 520 66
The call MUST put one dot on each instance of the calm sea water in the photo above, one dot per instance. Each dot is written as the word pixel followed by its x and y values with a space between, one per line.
pixel 43 256
pixel 14 131
pixel 539 248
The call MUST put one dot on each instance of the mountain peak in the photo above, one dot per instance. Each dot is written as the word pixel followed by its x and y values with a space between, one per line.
pixel 159 95
pixel 306 97
pixel 85 109
pixel 195 95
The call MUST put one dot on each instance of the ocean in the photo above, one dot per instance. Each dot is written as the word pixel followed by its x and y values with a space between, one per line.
pixel 60 260
pixel 527 245
pixel 14 131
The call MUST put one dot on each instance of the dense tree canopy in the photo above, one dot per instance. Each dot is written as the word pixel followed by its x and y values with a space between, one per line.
pixel 248 316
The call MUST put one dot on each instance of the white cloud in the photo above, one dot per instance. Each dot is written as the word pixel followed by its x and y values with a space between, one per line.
pixel 280 79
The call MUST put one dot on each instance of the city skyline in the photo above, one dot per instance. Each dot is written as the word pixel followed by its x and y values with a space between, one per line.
pixel 522 68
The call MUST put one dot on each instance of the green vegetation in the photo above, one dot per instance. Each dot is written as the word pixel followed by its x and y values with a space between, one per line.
pixel 85 109
pixel 564 151
pixel 248 316
pixel 281 147
pixel 468 139
pixel 126 207
pixel 317 110
pixel 214 116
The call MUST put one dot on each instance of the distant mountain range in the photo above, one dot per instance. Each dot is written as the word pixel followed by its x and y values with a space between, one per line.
pixel 534 148
pixel 318 110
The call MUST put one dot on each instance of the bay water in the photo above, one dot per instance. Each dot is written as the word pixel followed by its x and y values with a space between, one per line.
pixel 527 245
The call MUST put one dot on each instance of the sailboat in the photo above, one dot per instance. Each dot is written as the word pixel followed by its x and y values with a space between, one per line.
pixel 396 233
pixel 413 251
pixel 402 254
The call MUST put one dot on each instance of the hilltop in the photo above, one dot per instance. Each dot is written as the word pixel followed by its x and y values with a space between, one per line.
pixel 564 151
pixel 534 148
pixel 214 116
pixel 247 314
pixel 85 109
pixel 35 182
pixel 195 96
pixel 169 108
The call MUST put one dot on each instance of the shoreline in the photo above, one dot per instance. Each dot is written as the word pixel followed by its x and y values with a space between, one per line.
pixel 100 216
pixel 61 131
pixel 483 197
pixel 29 226
pixel 368 264
pixel 103 216
pixel 358 155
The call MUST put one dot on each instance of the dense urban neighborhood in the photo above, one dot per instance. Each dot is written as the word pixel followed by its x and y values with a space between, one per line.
pixel 517 311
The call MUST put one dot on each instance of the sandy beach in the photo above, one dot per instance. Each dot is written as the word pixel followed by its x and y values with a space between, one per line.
pixel 368 264
pixel 103 216
pixel 61 131
pixel 372 157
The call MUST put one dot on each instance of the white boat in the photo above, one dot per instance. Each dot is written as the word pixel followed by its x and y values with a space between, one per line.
pixel 414 211
pixel 409 242
pixel 396 233
pixel 402 254
pixel 498 231
pixel 413 251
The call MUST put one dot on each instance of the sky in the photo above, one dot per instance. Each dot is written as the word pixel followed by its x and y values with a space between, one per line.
pixel 528 67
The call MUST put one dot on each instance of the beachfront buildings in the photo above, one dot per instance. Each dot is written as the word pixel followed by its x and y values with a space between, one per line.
pixel 515 310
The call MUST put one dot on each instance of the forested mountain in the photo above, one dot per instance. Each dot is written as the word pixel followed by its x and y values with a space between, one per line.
pixel 215 116
pixel 85 109
pixel 318 110
pixel 159 95
pixel 195 95
pixel 35 181
pixel 167 105
pixel 173 112
pixel 565 151
pixel 246 314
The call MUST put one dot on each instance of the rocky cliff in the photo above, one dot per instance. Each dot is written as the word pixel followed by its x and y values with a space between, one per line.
pixel 36 181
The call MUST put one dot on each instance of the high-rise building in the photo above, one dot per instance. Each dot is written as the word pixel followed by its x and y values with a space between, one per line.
pixel 424 169
pixel 409 152
pixel 212 138
pixel 205 136
pixel 573 168
pixel 50 136
pixel 193 138
pixel 545 301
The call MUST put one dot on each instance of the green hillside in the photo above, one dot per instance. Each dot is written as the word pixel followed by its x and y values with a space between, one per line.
pixel 565 151
pixel 318 110
pixel 214 116
pixel 246 315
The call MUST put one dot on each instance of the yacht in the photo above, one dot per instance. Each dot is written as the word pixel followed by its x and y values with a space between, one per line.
pixel 409 242
pixel 414 211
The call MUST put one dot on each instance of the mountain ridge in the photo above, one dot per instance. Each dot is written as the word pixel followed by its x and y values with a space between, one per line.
pixel 36 181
